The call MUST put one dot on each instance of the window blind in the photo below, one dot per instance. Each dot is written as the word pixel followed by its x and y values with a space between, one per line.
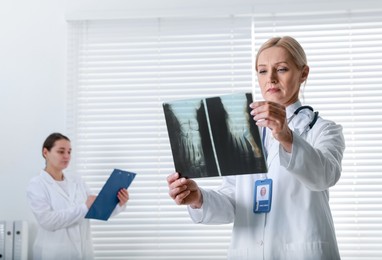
pixel 120 72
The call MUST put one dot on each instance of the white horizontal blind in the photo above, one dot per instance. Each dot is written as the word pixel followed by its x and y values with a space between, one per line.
pixel 344 51
pixel 120 73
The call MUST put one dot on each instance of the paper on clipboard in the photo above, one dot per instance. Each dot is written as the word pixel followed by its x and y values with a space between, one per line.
pixel 107 200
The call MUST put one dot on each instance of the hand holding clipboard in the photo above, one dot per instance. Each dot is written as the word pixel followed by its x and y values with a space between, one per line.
pixel 107 200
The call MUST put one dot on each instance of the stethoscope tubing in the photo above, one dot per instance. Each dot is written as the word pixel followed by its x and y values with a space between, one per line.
pixel 311 124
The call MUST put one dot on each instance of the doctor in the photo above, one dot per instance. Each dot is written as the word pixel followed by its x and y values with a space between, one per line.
pixel 304 153
pixel 60 203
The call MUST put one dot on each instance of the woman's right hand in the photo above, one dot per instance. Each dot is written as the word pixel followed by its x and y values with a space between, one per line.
pixel 184 191
pixel 90 200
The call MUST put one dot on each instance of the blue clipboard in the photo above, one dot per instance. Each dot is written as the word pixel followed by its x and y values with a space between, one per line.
pixel 107 200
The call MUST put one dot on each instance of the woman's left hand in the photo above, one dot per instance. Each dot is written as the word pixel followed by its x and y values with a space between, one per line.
pixel 123 196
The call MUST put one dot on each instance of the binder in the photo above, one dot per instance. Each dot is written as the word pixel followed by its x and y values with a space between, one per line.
pixel 107 200
pixel 2 240
pixel 8 240
pixel 20 240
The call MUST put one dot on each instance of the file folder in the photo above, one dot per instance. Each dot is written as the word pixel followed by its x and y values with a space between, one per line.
pixel 8 240
pixel 2 239
pixel 107 200
pixel 20 240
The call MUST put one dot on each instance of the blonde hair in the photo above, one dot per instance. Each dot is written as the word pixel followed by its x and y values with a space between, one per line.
pixel 290 45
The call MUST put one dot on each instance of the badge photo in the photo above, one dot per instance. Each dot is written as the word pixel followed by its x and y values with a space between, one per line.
pixel 262 196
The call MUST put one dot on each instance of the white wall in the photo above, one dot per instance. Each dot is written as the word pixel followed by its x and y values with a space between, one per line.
pixel 33 39
pixel 32 91
pixel 143 8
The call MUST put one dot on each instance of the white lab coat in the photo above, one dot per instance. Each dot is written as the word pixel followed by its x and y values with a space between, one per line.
pixel 63 232
pixel 299 225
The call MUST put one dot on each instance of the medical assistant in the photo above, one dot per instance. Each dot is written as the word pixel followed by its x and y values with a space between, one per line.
pixel 299 225
pixel 63 232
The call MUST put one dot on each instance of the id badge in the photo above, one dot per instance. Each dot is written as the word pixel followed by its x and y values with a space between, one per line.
pixel 263 196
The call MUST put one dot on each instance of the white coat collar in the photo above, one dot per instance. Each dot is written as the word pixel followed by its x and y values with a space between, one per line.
pixel 301 121
pixel 71 184
pixel 291 108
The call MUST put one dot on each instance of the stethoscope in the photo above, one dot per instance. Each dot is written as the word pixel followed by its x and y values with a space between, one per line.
pixel 295 113
pixel 315 117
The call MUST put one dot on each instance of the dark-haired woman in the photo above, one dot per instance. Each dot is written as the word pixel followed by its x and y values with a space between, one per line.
pixel 60 203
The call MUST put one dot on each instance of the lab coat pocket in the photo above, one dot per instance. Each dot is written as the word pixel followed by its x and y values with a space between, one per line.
pixel 308 251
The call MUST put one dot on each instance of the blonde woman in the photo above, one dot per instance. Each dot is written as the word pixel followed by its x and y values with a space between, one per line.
pixel 304 154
